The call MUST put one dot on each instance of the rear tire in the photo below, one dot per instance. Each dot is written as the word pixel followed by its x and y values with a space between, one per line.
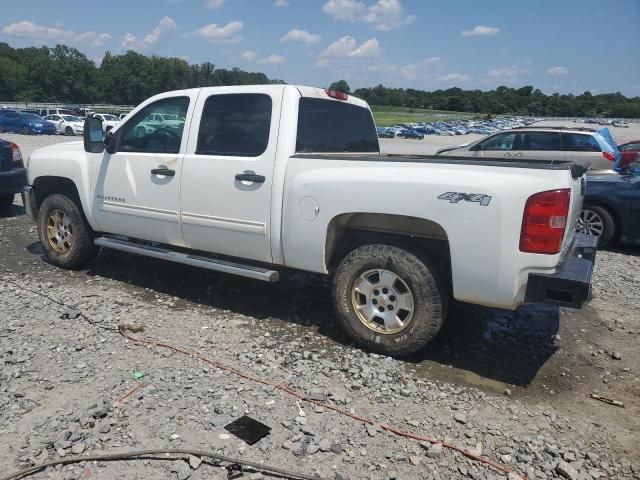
pixel 595 220
pixel 66 237
pixel 388 299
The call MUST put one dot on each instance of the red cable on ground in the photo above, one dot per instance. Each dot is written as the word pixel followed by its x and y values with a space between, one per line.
pixel 301 396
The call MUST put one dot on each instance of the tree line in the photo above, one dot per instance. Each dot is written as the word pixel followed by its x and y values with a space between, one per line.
pixel 505 100
pixel 63 74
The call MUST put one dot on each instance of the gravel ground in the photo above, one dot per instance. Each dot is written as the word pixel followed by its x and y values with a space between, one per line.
pixel 511 386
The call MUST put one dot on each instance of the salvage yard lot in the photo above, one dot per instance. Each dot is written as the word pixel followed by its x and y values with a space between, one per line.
pixel 511 386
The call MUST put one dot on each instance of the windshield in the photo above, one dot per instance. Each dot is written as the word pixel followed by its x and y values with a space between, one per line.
pixel 110 117
pixel 71 118
pixel 31 116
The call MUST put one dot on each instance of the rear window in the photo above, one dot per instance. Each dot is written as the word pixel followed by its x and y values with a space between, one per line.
pixel 576 142
pixel 328 126
pixel 540 141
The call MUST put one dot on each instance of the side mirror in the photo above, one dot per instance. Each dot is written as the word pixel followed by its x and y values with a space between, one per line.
pixel 93 136
pixel 111 142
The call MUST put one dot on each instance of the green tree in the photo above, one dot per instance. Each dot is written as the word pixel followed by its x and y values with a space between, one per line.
pixel 341 86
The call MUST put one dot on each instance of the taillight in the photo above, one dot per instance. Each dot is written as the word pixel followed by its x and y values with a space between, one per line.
pixel 609 156
pixel 337 94
pixel 544 221
pixel 16 154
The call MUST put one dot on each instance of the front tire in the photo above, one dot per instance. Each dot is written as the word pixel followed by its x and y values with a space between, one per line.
pixel 25 130
pixel 388 299
pixel 597 221
pixel 66 237
pixel 68 131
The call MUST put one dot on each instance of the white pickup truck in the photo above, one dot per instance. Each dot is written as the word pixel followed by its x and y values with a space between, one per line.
pixel 257 179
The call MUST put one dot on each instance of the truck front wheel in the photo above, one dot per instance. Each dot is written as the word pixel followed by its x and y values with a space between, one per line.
pixel 66 237
pixel 388 299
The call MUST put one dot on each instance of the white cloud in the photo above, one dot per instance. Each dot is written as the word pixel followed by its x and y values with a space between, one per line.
pixel 455 77
pixel 481 31
pixel 509 72
pixel 344 10
pixel 57 34
pixel 387 15
pixel 382 15
pixel 129 40
pixel 248 55
pixel 213 4
pixel 558 71
pixel 165 25
pixel 229 33
pixel 347 47
pixel 282 3
pixel 301 36
pixel 272 60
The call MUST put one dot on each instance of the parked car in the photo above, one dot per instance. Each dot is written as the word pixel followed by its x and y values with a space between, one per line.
pixel 630 152
pixel 25 123
pixel 548 143
pixel 611 208
pixel 411 134
pixel 45 112
pixel 268 177
pixel 108 121
pixel 122 115
pixel 67 124
pixel 156 121
pixel 13 176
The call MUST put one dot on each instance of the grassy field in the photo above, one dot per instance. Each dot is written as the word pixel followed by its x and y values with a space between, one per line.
pixel 387 116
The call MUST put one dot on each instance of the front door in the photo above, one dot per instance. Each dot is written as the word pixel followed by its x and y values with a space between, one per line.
pixel 227 175
pixel 138 187
pixel 497 146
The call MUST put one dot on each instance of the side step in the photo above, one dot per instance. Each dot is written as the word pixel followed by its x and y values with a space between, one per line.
pixel 249 271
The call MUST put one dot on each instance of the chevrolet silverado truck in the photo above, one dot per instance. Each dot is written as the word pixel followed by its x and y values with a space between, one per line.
pixel 260 179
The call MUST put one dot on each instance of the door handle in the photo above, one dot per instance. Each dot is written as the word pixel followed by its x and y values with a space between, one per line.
pixel 167 172
pixel 250 177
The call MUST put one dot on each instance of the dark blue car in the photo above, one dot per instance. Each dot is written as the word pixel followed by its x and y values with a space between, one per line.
pixel 26 123
pixel 13 176
pixel 612 208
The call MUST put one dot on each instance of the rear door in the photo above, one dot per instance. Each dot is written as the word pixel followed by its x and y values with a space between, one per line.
pixel 534 145
pixel 225 200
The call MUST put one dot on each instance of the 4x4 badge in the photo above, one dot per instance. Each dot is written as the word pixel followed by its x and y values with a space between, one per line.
pixel 455 197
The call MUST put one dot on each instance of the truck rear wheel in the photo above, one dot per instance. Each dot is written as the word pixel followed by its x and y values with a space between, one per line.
pixel 388 299
pixel 64 233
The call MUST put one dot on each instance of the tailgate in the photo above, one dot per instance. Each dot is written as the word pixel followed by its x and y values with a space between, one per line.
pixel 578 188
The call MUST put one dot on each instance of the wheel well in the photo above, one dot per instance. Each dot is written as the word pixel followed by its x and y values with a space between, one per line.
pixel 45 186
pixel 423 237
pixel 617 221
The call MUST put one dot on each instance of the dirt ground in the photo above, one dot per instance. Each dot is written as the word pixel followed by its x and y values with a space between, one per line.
pixel 516 383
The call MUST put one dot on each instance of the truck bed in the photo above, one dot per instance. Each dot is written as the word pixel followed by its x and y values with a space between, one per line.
pixel 577 168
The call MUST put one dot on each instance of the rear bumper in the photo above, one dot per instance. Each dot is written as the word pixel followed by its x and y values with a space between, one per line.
pixel 13 181
pixel 570 286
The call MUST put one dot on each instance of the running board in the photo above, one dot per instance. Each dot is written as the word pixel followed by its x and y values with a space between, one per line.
pixel 249 271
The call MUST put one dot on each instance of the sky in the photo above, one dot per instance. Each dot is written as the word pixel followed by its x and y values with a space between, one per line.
pixel 566 46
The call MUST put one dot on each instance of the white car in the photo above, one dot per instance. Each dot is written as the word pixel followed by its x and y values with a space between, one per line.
pixel 108 121
pixel 263 178
pixel 67 124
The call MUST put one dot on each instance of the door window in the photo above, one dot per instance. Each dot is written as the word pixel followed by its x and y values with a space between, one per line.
pixel 502 141
pixel 142 134
pixel 235 125
pixel 540 141
pixel 631 147
pixel 577 142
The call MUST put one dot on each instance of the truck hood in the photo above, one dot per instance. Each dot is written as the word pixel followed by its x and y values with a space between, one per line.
pixel 53 151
